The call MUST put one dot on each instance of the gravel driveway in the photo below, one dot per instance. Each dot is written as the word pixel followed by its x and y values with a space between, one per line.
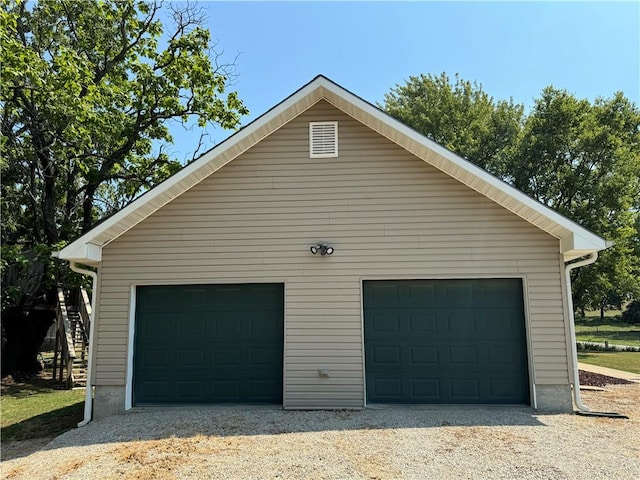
pixel 389 443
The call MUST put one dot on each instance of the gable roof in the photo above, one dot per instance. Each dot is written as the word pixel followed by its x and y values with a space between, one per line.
pixel 575 241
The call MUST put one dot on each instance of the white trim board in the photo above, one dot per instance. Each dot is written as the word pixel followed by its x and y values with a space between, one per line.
pixel 128 399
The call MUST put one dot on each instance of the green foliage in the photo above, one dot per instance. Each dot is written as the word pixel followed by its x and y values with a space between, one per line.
pixel 459 116
pixel 578 157
pixel 590 346
pixel 87 91
pixel 583 160
pixel 31 272
pixel 632 313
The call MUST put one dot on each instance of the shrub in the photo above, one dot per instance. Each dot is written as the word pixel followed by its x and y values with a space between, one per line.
pixel 597 347
pixel 632 313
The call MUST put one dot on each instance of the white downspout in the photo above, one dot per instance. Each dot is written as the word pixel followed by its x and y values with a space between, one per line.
pixel 591 258
pixel 88 401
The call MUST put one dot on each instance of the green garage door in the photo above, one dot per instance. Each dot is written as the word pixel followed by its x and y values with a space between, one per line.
pixel 445 341
pixel 208 344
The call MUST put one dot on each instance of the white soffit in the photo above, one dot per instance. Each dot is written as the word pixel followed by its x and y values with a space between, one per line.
pixel 575 240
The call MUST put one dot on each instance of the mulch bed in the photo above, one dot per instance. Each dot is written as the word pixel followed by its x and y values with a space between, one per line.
pixel 596 380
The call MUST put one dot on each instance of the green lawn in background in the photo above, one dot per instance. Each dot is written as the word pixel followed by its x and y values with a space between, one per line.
pixel 614 334
pixel 625 361
pixel 612 329
pixel 37 410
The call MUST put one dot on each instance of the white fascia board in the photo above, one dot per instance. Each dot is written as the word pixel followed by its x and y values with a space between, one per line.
pixel 88 253
pixel 594 242
pixel 71 251
pixel 574 242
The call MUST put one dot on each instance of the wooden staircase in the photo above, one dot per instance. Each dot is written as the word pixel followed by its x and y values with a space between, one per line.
pixel 73 323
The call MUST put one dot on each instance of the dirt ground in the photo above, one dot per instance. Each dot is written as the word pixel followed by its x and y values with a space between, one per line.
pixel 622 400
pixel 374 444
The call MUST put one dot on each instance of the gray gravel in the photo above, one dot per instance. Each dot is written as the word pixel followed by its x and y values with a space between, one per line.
pixel 387 443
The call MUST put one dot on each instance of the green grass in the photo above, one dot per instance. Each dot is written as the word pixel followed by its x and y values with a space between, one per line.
pixel 611 329
pixel 614 334
pixel 36 410
pixel 625 361
pixel 607 313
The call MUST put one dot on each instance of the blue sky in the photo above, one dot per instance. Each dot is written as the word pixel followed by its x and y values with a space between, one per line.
pixel 514 49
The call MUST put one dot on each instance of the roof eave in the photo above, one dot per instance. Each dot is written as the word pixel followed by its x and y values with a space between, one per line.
pixel 81 252
pixel 574 246
pixel 575 241
pixel 286 108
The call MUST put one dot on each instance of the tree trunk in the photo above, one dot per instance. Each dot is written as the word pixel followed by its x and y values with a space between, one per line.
pixel 601 314
pixel 49 205
pixel 87 209
pixel 34 204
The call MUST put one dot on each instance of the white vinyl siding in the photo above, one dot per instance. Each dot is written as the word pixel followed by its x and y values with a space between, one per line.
pixel 387 213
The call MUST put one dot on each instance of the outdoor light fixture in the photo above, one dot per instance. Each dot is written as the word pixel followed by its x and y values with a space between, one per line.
pixel 322 248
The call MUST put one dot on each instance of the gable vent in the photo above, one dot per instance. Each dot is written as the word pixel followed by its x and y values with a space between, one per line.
pixel 323 139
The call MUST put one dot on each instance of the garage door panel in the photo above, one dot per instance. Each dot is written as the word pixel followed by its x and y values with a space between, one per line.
pixel 155 299
pixel 161 329
pixel 459 293
pixel 155 391
pixel 458 347
pixel 264 323
pixel 504 356
pixel 417 389
pixel 263 390
pixel 382 294
pixel 461 323
pixel 424 356
pixel 385 322
pixel 498 292
pixel 210 344
pixel 386 356
pixel 193 299
pixel 224 323
pixel 503 323
pixel 507 389
pixel 421 294
pixel 155 359
pixel 421 323
pixel 264 357
pixel 189 358
pixel 226 357
pixel 463 390
pixel 463 355
pixel 263 295
pixel 425 390
pixel 227 390
pixel 190 327
pixel 387 389
pixel 227 298
pixel 190 391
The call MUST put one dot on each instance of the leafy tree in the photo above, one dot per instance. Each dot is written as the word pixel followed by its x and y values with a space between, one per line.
pixel 580 158
pixel 632 313
pixel 583 160
pixel 459 116
pixel 87 91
